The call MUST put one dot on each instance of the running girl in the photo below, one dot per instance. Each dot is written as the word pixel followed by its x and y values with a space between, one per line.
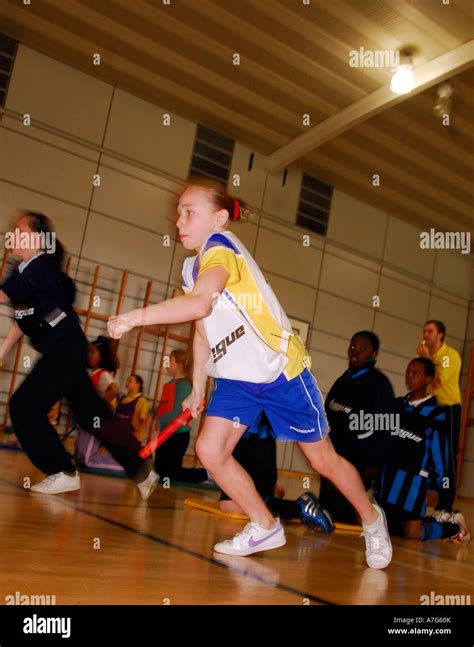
pixel 244 340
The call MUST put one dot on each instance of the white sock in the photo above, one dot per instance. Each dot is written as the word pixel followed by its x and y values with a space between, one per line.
pixel 374 525
pixel 277 519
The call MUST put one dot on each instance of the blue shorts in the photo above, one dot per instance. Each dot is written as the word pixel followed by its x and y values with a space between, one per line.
pixel 294 408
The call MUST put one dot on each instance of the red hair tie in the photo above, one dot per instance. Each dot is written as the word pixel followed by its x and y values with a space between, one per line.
pixel 235 215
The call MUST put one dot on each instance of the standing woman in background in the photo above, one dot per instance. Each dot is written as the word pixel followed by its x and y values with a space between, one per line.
pixel 42 296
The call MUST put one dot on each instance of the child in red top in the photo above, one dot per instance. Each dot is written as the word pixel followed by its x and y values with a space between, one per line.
pixel 103 364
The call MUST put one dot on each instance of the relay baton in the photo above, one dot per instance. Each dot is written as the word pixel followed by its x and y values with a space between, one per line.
pixel 168 431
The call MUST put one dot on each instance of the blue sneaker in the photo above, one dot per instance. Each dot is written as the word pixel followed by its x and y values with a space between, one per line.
pixel 313 515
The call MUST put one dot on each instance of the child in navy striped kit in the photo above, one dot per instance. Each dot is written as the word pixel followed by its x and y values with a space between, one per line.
pixel 416 464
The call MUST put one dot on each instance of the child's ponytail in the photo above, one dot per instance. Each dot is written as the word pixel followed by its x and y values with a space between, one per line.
pixel 237 209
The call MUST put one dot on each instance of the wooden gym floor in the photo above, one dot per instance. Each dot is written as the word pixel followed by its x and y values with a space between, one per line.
pixel 157 552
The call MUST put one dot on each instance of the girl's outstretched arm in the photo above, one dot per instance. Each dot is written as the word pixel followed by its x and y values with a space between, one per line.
pixel 189 307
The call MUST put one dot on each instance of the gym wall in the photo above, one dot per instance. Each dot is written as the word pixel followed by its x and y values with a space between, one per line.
pixel 81 127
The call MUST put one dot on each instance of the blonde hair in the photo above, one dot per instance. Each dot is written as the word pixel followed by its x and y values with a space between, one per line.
pixel 184 359
pixel 221 199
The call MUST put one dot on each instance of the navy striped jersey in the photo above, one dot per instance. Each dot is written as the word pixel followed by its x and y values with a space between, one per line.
pixel 417 456
pixel 356 395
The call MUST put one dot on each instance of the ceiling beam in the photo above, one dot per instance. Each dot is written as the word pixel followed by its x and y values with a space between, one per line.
pixel 427 75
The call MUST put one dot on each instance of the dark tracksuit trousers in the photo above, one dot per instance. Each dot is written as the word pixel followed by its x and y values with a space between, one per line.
pixel 169 461
pixel 62 372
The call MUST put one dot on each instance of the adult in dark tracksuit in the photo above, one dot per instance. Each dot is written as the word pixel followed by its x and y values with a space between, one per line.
pixel 354 399
pixel 42 296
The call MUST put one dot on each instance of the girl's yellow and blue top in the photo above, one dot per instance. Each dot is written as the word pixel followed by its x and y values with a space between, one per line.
pixel 248 331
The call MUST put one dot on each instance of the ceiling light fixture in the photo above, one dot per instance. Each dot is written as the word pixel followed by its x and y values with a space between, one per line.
pixel 403 81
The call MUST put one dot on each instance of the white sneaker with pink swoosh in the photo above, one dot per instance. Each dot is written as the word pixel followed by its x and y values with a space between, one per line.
pixel 253 539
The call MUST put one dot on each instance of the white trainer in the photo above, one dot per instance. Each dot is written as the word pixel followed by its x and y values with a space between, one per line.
pixel 57 483
pixel 253 539
pixel 378 547
pixel 463 536
pixel 147 487
pixel 442 516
